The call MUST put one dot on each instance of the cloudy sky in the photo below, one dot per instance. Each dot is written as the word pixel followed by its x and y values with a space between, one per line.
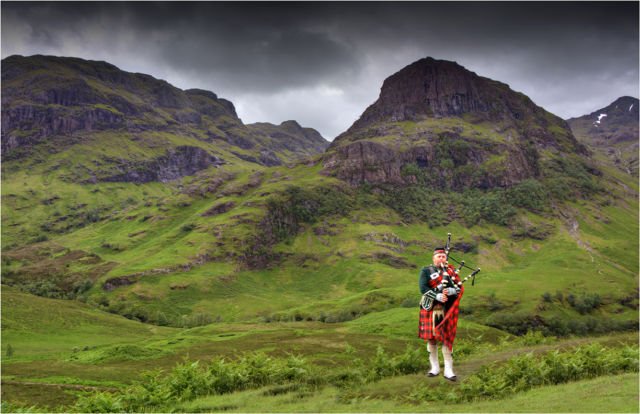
pixel 323 63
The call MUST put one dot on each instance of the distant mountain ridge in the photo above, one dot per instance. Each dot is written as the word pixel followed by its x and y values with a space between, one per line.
pixel 48 96
pixel 435 110
pixel 164 207
pixel 614 131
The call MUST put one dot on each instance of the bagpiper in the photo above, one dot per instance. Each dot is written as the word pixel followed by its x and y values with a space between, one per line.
pixel 442 290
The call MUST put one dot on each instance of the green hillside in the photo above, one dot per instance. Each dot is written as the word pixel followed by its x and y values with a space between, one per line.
pixel 40 328
pixel 119 258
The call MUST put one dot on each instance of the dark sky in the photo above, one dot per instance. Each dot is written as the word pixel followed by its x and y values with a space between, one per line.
pixel 323 63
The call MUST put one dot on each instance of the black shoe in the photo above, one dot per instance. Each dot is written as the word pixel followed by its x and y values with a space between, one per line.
pixel 431 374
pixel 452 379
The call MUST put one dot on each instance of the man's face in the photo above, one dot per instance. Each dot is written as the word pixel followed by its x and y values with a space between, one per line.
pixel 439 258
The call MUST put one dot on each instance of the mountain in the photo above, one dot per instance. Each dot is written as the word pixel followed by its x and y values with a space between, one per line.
pixel 174 212
pixel 165 133
pixel 613 131
pixel 290 138
pixel 436 119
pixel 159 205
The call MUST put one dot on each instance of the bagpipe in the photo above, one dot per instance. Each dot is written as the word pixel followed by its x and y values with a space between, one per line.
pixel 427 300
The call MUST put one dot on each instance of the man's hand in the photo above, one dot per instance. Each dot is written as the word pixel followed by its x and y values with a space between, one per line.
pixel 441 297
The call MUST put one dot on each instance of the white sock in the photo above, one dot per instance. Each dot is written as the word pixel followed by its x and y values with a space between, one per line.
pixel 448 362
pixel 433 358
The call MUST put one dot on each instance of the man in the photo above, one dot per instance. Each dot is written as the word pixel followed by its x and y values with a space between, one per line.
pixel 439 311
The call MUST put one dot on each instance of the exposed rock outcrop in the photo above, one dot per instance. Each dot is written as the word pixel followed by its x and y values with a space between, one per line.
pixel 436 120
pixel 290 137
pixel 45 98
pixel 177 163
pixel 613 130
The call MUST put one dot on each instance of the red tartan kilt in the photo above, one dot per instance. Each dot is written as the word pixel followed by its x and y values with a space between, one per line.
pixel 426 330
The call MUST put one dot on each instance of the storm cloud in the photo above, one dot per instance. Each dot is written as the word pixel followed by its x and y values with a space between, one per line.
pixel 323 63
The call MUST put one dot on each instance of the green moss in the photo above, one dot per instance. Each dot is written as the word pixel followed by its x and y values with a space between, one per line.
pixel 108 108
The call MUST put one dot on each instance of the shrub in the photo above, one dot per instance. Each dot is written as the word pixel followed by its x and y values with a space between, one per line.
pixel 288 211
pixel 559 296
pixel 491 207
pixel 523 228
pixel 102 402
pixel 527 371
pixel 188 227
pixel 410 169
pixel 570 177
pixel 40 238
pixel 416 203
pixel 586 303
pixel 92 216
pixel 529 194
pixel 493 303
pixel 188 380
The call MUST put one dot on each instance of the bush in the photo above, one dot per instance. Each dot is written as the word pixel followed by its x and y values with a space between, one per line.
pixel 523 228
pixel 44 288
pixel 585 303
pixel 491 207
pixel 527 371
pixel 287 212
pixel 493 303
pixel 515 323
pixel 529 194
pixel 188 227
pixel 570 177
pixel 189 380
pixel 102 402
pixel 520 323
pixel 40 238
pixel 416 203
pixel 92 216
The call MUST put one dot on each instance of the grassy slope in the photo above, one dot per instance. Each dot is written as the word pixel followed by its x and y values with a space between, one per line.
pixel 142 228
pixel 41 328
pixel 44 356
pixel 609 394
pixel 323 272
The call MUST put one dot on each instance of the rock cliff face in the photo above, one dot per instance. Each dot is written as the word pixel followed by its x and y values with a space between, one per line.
pixel 45 98
pixel 458 168
pixel 436 119
pixel 290 136
pixel 177 163
pixel 612 130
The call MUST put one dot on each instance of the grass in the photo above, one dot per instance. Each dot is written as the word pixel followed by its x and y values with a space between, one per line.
pixel 605 394
pixel 41 328
pixel 344 280
pixel 608 394
pixel 322 273
pixel 117 350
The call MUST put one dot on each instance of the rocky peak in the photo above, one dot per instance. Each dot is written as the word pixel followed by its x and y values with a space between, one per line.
pixel 290 136
pixel 291 126
pixel 44 96
pixel 430 88
pixel 202 92
pixel 613 130
pixel 435 113
pixel 58 102
pixel 622 110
